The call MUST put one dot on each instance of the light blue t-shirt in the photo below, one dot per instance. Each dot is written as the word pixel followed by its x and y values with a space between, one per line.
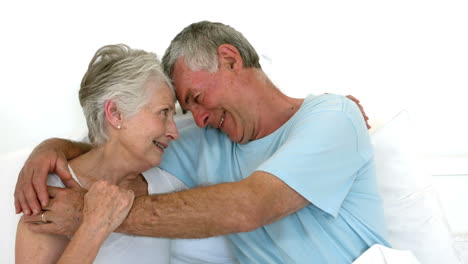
pixel 324 153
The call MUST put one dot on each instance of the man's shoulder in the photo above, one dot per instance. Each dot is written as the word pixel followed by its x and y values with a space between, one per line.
pixel 325 102
pixel 334 104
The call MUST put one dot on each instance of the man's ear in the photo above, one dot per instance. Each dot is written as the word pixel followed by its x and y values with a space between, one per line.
pixel 229 57
pixel 113 115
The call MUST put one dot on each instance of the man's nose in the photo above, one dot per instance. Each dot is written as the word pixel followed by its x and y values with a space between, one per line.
pixel 200 115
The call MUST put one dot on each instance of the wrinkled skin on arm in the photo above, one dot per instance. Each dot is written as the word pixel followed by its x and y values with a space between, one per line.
pixel 201 212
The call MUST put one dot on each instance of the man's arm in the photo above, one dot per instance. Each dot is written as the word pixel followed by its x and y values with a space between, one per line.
pixel 214 210
pixel 50 156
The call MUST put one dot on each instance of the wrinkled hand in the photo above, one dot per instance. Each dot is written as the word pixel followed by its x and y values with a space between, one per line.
pixel 366 118
pixel 106 206
pixel 31 189
pixel 63 214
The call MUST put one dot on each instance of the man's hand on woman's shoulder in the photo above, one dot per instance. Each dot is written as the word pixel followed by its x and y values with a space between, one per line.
pixel 49 157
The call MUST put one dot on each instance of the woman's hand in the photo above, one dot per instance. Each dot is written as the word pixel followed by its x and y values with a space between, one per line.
pixel 106 206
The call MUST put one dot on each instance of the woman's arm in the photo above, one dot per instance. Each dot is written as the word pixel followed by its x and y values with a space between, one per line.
pixel 105 208
pixel 32 247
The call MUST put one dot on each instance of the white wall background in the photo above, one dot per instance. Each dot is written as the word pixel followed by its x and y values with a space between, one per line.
pixel 389 54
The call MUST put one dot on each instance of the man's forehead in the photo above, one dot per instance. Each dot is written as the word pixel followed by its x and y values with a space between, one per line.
pixel 181 81
pixel 179 67
pixel 179 73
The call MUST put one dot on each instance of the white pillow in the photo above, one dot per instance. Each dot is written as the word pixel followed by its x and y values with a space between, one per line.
pixel 413 214
pixel 378 254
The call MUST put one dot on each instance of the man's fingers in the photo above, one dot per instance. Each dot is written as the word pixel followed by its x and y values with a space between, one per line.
pixel 24 204
pixel 19 195
pixel 39 180
pixel 33 202
pixel 361 108
pixel 65 175
pixel 18 208
pixel 33 192
pixel 61 168
pixel 31 199
pixel 353 98
pixel 72 184
pixel 40 187
pixel 20 199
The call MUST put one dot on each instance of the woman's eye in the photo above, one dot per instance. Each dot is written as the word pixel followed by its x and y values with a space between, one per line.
pixel 165 112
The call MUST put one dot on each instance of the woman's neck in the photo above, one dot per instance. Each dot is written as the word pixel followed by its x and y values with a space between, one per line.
pixel 107 163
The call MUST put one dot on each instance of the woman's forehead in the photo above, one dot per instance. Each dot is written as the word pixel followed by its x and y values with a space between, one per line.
pixel 160 94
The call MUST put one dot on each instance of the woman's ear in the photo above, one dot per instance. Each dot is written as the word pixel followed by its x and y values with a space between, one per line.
pixel 229 57
pixel 113 115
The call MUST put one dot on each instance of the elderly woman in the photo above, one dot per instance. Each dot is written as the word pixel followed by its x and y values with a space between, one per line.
pixel 129 105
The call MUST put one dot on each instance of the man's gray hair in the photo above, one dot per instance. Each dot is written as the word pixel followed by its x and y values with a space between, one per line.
pixel 119 73
pixel 198 44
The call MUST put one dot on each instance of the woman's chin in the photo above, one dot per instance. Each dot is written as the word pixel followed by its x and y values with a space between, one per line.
pixel 155 162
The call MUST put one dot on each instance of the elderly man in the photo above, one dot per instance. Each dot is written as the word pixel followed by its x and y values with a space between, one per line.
pixel 289 180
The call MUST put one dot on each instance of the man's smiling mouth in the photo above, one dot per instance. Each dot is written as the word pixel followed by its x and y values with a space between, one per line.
pixel 221 121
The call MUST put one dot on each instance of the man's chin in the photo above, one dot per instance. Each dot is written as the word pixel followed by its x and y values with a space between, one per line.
pixel 233 138
pixel 238 140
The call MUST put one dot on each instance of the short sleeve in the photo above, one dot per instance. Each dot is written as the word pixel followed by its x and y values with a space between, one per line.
pixel 181 157
pixel 319 158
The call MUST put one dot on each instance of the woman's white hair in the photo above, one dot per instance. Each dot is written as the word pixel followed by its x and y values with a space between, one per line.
pixel 198 44
pixel 118 73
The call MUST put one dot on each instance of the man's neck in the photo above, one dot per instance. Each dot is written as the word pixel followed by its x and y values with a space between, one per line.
pixel 269 107
pixel 275 112
pixel 273 108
